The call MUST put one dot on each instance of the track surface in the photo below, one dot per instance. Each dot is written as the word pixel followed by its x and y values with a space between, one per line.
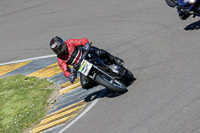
pixel 161 50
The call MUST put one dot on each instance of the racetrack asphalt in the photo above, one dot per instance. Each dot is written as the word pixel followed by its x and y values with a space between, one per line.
pixel 161 51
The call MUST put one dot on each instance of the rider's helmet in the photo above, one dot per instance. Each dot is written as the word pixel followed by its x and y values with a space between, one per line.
pixel 57 45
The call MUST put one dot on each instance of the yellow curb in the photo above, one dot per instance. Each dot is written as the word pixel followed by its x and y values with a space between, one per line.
pixel 60 115
pixel 48 71
pixel 41 128
pixel 48 123
pixel 63 109
pixel 69 88
pixel 69 83
pixel 8 68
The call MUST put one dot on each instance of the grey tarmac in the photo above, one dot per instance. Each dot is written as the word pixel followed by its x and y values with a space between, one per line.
pixel 161 51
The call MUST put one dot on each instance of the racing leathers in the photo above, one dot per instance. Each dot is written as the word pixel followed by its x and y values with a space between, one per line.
pixel 74 54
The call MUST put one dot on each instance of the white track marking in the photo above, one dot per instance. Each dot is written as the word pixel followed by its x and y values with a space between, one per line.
pixel 35 58
pixel 83 113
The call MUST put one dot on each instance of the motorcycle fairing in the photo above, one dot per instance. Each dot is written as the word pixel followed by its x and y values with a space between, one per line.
pixel 185 4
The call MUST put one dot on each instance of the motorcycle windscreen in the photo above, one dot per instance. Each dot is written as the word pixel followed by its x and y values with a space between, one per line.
pixel 185 4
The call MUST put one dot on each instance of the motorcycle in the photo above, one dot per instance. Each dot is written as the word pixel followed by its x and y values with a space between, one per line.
pixel 113 77
pixel 190 6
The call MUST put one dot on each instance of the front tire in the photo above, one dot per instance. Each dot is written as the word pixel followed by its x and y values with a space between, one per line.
pixel 116 86
pixel 129 78
pixel 171 3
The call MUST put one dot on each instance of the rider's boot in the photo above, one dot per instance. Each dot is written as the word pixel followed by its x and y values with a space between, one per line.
pixel 113 59
pixel 182 14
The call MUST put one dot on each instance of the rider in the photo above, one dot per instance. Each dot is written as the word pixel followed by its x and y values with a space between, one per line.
pixel 69 54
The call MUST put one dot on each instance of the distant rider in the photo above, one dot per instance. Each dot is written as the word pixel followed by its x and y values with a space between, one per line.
pixel 68 53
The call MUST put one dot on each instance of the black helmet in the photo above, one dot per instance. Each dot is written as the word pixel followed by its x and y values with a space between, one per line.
pixel 57 45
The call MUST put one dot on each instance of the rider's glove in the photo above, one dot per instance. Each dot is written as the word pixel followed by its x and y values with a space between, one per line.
pixel 71 78
pixel 87 46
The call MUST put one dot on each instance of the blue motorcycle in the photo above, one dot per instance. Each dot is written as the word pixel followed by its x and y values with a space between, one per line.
pixel 189 6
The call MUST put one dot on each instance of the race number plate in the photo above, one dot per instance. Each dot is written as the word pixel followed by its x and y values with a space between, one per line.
pixel 85 67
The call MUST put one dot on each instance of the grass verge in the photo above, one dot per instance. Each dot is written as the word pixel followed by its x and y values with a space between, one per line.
pixel 22 102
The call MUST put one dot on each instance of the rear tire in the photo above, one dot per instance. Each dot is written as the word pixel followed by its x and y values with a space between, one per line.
pixel 104 81
pixel 171 3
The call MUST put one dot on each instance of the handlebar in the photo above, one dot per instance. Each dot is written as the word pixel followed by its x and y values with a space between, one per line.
pixel 86 52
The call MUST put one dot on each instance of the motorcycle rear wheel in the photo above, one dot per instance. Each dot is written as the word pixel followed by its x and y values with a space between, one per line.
pixel 171 3
pixel 116 85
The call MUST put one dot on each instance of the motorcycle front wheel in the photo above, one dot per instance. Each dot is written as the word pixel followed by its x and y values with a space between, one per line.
pixel 129 78
pixel 108 83
pixel 171 3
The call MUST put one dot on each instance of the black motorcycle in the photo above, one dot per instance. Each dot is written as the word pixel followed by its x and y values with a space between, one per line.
pixel 113 77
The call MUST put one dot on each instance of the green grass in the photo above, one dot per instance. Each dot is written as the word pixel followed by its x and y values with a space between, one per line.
pixel 22 102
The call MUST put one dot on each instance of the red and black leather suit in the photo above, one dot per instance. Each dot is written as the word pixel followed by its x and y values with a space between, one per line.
pixel 72 56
